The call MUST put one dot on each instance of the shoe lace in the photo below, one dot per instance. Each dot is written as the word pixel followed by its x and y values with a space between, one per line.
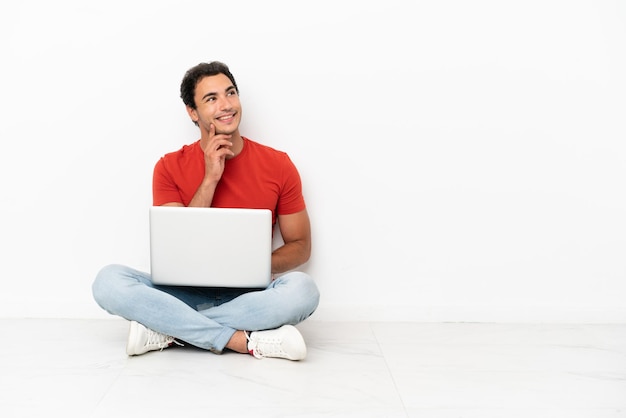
pixel 266 347
pixel 160 340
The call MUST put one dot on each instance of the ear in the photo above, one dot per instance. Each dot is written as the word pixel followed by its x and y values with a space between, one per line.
pixel 193 114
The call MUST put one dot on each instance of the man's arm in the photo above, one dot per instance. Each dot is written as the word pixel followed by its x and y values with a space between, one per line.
pixel 202 198
pixel 296 233
pixel 215 153
pixel 217 148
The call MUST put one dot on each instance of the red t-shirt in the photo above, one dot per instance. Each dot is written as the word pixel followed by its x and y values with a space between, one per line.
pixel 259 177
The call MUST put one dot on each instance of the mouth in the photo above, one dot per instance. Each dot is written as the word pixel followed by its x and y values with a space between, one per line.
pixel 226 118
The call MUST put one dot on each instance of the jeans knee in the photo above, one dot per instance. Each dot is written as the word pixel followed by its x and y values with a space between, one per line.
pixel 103 285
pixel 312 291
pixel 307 295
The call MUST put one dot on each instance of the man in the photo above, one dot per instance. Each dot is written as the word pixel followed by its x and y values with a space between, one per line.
pixel 221 169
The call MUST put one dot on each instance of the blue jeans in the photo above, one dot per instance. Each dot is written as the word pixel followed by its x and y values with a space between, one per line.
pixel 202 316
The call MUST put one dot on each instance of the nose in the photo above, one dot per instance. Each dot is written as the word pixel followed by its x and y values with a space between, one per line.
pixel 224 103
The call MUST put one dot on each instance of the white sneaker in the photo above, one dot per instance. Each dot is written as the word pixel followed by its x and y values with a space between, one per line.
pixel 284 342
pixel 142 339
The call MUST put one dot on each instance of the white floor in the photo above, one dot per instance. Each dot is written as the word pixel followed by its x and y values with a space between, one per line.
pixel 78 368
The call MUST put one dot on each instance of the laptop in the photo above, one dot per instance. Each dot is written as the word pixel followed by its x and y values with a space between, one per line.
pixel 215 247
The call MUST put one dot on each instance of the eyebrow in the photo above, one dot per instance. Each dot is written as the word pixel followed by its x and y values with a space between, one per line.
pixel 213 93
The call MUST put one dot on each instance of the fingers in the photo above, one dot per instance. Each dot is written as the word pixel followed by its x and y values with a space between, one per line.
pixel 217 150
pixel 219 141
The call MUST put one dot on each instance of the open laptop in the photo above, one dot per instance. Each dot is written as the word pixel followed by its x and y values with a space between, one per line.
pixel 216 247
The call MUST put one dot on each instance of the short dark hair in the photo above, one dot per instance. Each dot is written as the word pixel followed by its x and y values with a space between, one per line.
pixel 197 73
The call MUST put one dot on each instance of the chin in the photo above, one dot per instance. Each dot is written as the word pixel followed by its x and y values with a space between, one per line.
pixel 227 131
pixel 224 132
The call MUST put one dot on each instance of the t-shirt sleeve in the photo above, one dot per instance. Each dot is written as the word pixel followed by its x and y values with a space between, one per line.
pixel 291 199
pixel 164 189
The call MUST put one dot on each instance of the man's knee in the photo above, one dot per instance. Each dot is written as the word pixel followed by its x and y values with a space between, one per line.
pixel 306 294
pixel 103 285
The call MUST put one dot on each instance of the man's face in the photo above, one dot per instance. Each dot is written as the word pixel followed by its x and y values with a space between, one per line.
pixel 217 103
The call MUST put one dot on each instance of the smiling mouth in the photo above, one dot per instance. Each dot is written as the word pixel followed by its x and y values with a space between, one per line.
pixel 226 117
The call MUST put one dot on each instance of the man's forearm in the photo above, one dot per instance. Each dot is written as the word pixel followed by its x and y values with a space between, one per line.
pixel 290 256
pixel 204 195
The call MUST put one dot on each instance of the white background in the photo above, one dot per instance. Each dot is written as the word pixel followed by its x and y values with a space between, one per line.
pixel 462 160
